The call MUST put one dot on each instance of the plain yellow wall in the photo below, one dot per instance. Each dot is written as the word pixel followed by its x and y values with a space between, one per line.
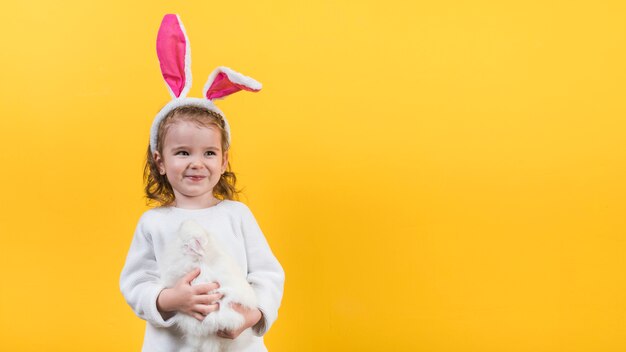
pixel 433 175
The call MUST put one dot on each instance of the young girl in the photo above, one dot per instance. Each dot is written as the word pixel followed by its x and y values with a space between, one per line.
pixel 188 173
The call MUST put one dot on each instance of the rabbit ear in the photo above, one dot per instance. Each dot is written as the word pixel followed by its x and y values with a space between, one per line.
pixel 223 82
pixel 174 56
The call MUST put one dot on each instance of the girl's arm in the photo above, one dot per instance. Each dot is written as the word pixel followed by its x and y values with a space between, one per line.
pixel 265 273
pixel 140 281
pixel 141 286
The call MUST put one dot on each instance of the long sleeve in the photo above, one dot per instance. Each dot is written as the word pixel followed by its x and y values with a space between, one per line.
pixel 140 281
pixel 265 273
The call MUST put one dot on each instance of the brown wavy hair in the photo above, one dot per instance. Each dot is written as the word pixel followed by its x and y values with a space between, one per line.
pixel 159 192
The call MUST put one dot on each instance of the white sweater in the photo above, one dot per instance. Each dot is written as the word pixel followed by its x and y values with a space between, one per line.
pixel 238 233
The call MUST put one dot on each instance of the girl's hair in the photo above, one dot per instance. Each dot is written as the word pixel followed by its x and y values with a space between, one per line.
pixel 158 189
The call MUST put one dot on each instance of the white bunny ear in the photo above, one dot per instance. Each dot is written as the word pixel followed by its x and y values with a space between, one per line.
pixel 223 82
pixel 174 56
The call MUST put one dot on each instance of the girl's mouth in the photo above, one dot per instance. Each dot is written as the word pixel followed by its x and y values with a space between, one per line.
pixel 196 178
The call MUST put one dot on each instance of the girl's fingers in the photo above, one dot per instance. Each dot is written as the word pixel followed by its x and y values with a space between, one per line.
pixel 216 297
pixel 213 307
pixel 200 317
pixel 206 309
pixel 202 289
pixel 225 334
pixel 208 299
pixel 188 278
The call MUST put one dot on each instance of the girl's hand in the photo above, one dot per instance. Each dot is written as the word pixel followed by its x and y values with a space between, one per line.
pixel 251 316
pixel 191 300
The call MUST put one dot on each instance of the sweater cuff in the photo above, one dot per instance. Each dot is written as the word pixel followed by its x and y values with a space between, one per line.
pixel 154 316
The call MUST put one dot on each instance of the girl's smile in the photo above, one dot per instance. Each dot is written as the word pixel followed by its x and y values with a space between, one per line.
pixel 196 178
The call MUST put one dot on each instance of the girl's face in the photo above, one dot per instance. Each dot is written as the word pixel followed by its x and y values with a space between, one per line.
pixel 193 163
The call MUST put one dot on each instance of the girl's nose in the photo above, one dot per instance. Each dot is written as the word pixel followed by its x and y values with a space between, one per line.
pixel 195 162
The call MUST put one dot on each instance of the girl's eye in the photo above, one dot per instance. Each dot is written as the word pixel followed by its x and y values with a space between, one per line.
pixel 181 152
pixel 210 153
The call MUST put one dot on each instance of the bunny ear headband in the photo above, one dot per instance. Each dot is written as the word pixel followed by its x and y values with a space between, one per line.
pixel 175 60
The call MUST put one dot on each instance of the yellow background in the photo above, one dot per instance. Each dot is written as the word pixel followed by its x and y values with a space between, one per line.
pixel 432 175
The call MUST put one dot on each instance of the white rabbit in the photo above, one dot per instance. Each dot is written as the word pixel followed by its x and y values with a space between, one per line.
pixel 194 247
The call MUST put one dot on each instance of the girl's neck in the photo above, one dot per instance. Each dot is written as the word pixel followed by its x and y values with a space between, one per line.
pixel 193 204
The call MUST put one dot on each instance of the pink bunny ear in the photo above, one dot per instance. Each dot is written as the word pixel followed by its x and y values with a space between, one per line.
pixel 223 81
pixel 174 55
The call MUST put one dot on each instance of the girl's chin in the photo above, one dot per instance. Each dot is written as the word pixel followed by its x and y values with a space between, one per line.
pixel 201 197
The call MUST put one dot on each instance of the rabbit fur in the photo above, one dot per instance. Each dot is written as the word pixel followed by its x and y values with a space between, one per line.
pixel 192 248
